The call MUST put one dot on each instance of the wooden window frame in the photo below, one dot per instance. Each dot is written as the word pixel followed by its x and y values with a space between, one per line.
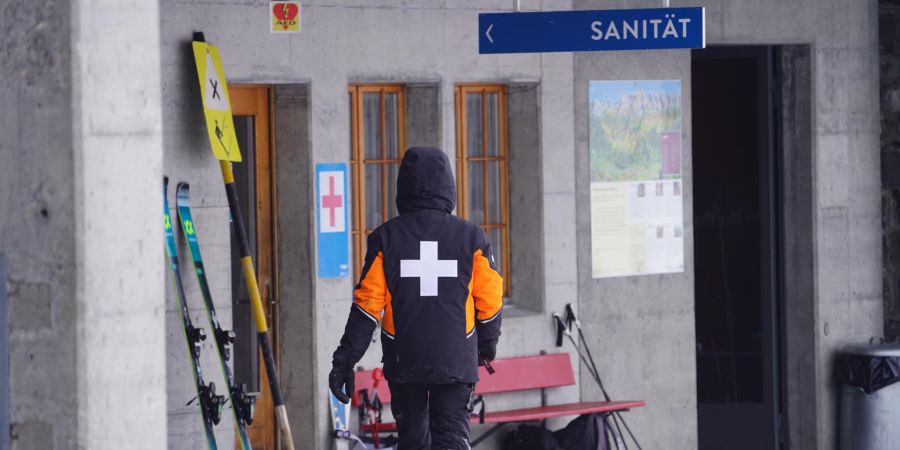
pixel 463 159
pixel 358 162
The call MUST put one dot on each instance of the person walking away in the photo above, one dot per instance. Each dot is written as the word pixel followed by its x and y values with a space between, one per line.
pixel 430 280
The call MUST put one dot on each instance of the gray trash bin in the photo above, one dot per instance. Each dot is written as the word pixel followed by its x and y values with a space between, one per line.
pixel 870 397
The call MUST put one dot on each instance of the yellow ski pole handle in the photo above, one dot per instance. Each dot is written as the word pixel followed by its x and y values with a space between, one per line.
pixel 256 303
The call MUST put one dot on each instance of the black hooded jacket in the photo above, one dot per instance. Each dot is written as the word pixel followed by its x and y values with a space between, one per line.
pixel 429 280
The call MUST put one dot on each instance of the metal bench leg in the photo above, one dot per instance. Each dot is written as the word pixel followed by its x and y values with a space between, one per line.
pixel 487 434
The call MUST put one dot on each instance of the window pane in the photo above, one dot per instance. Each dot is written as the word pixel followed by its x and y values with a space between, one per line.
pixel 497 247
pixel 493 124
pixel 473 125
pixel 372 125
pixel 391 122
pixel 373 196
pixel 392 170
pixel 244 350
pixel 475 193
pixel 494 215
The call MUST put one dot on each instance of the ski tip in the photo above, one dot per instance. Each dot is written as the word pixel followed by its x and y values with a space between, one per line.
pixel 182 193
pixel 165 180
pixel 198 36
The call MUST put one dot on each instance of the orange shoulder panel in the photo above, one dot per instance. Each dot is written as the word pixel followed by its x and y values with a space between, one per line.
pixel 486 288
pixel 372 294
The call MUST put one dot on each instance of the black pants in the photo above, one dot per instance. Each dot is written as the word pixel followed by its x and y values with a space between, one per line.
pixel 431 416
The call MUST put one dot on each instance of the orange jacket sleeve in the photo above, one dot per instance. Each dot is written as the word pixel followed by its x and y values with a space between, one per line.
pixel 487 289
pixel 487 292
pixel 371 294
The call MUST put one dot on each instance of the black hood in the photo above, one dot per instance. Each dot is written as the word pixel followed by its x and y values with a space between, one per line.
pixel 425 181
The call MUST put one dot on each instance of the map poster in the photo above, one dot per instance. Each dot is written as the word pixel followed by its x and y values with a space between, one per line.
pixel 637 214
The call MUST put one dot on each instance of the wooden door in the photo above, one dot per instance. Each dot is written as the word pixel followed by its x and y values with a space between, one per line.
pixel 255 180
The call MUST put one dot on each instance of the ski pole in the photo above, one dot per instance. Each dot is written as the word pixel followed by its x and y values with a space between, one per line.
pixel 571 319
pixel 236 218
pixel 259 313
pixel 570 313
pixel 564 330
pixel 616 415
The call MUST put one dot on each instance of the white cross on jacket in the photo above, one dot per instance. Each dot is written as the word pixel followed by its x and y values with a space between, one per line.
pixel 428 268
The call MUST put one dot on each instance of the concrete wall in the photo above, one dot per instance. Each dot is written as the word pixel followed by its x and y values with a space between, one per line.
pixel 525 209
pixel 799 300
pixel 642 327
pixel 4 361
pixel 80 126
pixel 81 151
pixel 327 61
pixel 119 278
pixel 889 45
pixel 38 221
pixel 650 319
pixel 187 158
pixel 296 267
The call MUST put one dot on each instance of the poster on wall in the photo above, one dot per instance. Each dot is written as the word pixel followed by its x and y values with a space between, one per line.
pixel 637 216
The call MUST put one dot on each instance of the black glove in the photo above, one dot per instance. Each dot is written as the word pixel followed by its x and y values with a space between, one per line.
pixel 487 353
pixel 341 381
pixel 486 363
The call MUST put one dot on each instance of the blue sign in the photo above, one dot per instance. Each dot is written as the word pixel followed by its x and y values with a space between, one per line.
pixel 584 31
pixel 331 226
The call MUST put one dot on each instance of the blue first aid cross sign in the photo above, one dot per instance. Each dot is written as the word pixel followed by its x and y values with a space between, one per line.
pixel 331 211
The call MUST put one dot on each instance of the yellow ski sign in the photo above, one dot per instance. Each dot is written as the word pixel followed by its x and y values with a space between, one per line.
pixel 216 103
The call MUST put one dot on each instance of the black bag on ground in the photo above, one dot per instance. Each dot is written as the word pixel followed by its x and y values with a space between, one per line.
pixel 530 437
pixel 586 432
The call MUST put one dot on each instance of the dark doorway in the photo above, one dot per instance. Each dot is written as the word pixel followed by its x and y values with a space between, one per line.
pixel 736 192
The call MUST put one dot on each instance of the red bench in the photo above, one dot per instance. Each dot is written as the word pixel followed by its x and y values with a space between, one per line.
pixel 512 374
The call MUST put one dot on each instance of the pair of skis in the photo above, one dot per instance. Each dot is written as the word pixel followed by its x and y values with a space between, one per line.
pixel 209 402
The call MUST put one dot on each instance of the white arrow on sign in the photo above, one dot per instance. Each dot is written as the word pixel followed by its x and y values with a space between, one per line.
pixel 488 33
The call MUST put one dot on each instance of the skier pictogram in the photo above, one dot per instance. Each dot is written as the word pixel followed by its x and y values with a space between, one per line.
pixel 219 136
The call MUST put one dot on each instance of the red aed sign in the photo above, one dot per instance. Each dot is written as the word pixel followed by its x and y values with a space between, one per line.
pixel 285 17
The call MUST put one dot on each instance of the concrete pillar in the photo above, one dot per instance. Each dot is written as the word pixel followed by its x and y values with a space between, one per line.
pixel 80 195
pixel 119 295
